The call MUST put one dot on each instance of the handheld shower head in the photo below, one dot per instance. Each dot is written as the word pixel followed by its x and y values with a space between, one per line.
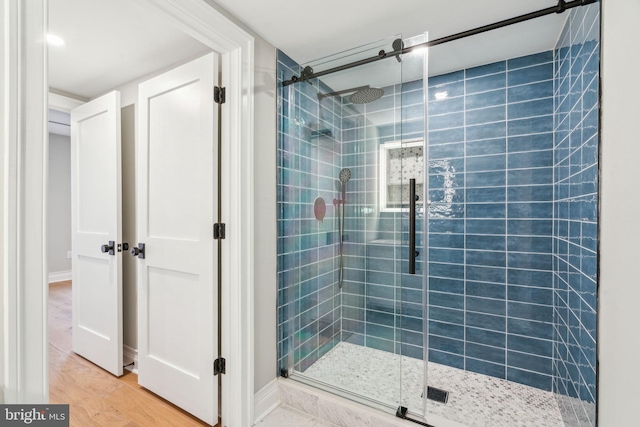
pixel 345 175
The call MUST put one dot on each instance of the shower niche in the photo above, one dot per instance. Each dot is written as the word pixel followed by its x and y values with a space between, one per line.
pixel 477 303
pixel 398 163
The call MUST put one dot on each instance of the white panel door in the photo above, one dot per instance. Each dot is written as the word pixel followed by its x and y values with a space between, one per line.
pixel 96 219
pixel 177 205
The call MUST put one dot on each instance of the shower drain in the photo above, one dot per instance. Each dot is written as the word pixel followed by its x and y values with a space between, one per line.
pixel 437 394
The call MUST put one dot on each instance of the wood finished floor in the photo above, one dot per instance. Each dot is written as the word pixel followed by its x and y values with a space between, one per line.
pixel 96 397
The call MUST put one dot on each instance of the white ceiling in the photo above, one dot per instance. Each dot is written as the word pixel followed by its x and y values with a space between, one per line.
pixel 111 42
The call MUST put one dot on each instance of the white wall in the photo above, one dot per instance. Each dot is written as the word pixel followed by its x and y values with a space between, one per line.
pixel 265 210
pixel 59 214
pixel 619 313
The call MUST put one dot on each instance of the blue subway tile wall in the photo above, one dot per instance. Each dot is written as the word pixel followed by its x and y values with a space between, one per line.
pixel 492 244
pixel 390 315
pixel 308 161
pixel 490 263
pixel 575 215
pixel 490 257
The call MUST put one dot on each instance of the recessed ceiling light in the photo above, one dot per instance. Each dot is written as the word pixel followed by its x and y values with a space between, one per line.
pixel 54 40
pixel 441 95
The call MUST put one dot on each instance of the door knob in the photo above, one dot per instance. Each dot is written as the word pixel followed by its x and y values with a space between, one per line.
pixel 110 248
pixel 139 251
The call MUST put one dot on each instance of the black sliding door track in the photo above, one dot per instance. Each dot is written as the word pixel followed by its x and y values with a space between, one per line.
pixel 559 8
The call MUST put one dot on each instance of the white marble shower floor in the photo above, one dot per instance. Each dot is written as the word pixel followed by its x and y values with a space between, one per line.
pixel 474 399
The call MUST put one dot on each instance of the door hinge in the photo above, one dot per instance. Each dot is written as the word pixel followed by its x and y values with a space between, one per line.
pixel 219 229
pixel 219 95
pixel 219 366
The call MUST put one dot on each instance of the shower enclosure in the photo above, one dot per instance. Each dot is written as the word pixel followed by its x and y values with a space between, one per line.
pixel 437 234
pixel 351 313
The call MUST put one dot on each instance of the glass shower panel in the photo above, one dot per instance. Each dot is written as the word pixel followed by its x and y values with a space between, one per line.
pixel 341 244
pixel 410 155
pixel 512 277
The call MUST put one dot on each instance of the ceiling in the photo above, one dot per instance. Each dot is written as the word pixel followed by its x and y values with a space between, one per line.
pixel 112 42
pixel 309 30
pixel 109 43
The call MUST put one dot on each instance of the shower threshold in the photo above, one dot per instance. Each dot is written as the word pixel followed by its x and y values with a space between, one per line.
pixel 474 399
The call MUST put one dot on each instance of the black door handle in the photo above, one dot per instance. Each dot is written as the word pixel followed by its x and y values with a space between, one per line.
pixel 412 226
pixel 138 251
pixel 110 248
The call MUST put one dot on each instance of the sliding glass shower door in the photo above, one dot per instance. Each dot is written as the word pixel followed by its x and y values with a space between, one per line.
pixel 351 177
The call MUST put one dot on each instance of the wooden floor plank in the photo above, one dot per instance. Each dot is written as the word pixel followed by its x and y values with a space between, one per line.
pixel 96 397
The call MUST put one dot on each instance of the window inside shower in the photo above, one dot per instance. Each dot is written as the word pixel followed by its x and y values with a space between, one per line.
pixel 497 325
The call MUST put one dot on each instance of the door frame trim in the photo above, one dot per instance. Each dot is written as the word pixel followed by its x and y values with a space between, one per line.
pixel 23 187
pixel 23 184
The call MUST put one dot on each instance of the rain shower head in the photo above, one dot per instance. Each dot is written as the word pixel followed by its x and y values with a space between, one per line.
pixel 362 95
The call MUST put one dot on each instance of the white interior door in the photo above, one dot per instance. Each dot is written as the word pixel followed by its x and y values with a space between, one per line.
pixel 177 205
pixel 96 199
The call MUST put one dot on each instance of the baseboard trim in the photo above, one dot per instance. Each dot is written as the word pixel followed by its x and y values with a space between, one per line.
pixel 59 276
pixel 130 355
pixel 266 400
